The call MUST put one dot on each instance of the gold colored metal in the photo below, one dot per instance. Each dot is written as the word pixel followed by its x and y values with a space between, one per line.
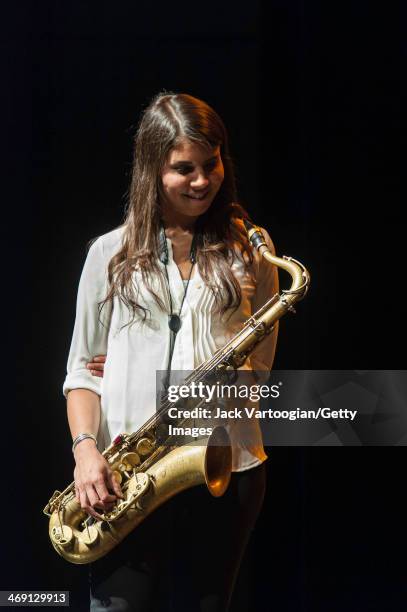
pixel 177 469
pixel 117 476
pixel 150 470
pixel 90 536
pixel 144 446
pixel 130 460
pixel 62 535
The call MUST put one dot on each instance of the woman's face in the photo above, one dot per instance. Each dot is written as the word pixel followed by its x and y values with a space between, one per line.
pixel 191 178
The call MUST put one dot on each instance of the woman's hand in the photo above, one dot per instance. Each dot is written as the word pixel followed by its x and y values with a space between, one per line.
pixel 93 480
pixel 97 365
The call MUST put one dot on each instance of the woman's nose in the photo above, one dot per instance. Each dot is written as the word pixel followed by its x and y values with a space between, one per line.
pixel 200 180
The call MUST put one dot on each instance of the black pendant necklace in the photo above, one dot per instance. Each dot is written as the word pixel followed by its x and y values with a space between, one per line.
pixel 174 319
pixel 174 323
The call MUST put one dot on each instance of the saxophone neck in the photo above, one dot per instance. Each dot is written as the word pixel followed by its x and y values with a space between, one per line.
pixel 299 274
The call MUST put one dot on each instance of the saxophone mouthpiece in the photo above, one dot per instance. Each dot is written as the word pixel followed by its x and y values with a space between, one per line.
pixel 248 225
pixel 254 234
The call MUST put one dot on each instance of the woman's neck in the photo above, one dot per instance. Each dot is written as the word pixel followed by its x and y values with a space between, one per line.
pixel 178 226
pixel 181 233
pixel 173 229
pixel 177 233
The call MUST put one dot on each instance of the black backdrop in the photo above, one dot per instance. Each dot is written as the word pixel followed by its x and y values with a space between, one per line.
pixel 311 93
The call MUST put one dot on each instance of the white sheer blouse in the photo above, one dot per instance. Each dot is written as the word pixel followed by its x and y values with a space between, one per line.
pixel 134 353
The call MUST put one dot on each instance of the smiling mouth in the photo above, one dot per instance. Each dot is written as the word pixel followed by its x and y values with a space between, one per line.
pixel 197 197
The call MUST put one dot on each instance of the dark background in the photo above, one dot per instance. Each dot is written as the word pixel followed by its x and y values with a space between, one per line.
pixel 312 95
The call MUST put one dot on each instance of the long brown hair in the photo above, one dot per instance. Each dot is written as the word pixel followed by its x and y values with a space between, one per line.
pixel 169 119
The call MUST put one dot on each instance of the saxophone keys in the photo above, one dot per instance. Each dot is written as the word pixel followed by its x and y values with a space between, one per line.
pixel 62 536
pixel 144 446
pixel 89 536
pixel 138 485
pixel 130 460
pixel 117 476
pixel 115 513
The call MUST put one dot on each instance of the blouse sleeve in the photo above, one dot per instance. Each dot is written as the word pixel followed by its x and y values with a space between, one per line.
pixel 90 332
pixel 267 285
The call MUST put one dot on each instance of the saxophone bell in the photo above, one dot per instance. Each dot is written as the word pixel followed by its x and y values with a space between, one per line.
pixel 218 462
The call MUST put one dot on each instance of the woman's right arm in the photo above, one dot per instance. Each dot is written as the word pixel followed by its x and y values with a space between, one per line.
pixel 92 474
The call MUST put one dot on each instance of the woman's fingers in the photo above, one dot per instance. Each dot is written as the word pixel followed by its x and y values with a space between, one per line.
pixel 99 360
pixel 77 491
pixel 93 478
pixel 95 372
pixel 96 366
pixel 90 502
pixel 86 504
pixel 97 501
pixel 94 496
pixel 104 496
pixel 115 485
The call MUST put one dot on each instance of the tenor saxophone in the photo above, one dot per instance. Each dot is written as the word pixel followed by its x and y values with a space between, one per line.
pixel 149 468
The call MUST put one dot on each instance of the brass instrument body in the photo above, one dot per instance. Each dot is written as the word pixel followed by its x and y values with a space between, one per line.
pixel 152 471
pixel 178 469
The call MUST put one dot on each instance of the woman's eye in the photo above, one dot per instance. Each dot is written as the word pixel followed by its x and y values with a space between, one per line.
pixel 184 170
pixel 187 169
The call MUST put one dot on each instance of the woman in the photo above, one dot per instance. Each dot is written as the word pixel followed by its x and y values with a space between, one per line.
pixel 163 292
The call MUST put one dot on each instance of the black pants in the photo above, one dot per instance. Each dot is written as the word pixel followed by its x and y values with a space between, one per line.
pixel 185 556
